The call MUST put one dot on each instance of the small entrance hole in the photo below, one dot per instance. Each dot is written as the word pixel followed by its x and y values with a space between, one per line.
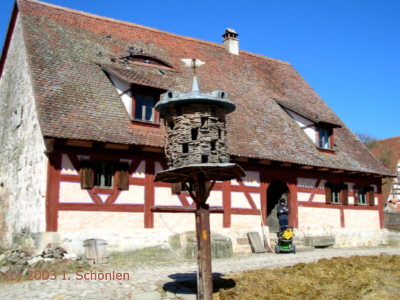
pixel 204 159
pixel 219 134
pixel 195 134
pixel 204 122
pixel 171 125
pixel 212 146
pixel 185 148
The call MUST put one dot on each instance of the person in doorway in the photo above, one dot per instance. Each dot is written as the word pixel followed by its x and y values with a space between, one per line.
pixel 283 212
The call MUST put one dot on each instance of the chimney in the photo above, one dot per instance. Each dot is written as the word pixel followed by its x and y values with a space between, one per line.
pixel 231 42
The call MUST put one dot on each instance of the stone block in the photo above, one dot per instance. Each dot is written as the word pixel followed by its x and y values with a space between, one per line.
pixel 319 241
pixel 220 247
pixel 4 269
pixel 34 260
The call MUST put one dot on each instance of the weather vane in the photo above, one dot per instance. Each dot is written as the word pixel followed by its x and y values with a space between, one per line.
pixel 192 63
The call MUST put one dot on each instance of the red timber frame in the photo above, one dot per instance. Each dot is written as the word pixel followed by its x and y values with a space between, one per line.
pixel 339 179
pixel 268 174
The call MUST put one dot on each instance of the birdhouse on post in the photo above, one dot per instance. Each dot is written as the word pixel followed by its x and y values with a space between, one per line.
pixel 196 150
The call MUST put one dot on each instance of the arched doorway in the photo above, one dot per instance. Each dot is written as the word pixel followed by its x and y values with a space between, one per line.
pixel 276 190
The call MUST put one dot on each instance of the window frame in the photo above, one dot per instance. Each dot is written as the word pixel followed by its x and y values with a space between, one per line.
pixel 362 195
pixel 184 187
pixel 336 194
pixel 120 175
pixel 329 131
pixel 368 194
pixel 137 91
pixel 103 174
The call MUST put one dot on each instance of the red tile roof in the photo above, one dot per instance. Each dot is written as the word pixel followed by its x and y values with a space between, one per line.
pixel 76 100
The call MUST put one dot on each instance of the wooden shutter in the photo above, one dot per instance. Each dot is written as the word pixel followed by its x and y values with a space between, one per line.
pixel 356 195
pixel 208 184
pixel 176 188
pixel 328 193
pixel 371 195
pixel 123 176
pixel 345 194
pixel 86 174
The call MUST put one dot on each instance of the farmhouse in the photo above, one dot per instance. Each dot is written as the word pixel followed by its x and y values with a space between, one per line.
pixel 81 141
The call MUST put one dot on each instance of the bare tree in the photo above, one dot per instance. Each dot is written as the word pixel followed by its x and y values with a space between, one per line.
pixel 382 151
pixel 367 139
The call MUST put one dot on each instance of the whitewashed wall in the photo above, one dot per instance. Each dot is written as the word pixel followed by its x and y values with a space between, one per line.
pixel 23 164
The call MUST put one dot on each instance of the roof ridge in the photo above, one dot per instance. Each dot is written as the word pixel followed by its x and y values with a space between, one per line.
pixel 108 19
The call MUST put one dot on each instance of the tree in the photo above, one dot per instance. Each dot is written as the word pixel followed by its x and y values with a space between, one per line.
pixel 382 151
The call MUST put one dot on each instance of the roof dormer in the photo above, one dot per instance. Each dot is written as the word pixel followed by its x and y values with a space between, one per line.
pixel 319 132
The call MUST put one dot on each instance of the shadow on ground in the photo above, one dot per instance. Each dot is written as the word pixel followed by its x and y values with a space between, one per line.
pixel 186 283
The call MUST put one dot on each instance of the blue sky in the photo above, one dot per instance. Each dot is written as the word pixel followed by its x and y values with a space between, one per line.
pixel 348 51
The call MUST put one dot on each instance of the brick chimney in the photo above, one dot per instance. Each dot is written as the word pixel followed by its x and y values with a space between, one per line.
pixel 231 42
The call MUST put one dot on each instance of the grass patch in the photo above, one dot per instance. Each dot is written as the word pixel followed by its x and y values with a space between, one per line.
pixel 357 277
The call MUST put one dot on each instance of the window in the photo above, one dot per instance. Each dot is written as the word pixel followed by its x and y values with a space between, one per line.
pixel 186 187
pixel 182 187
pixel 100 175
pixel 364 195
pixel 324 140
pixel 144 108
pixel 336 193
pixel 103 175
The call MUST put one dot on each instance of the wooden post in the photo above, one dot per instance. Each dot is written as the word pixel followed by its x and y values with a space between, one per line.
pixel 204 273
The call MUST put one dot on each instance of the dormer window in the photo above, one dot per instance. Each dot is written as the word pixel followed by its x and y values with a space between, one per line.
pixel 319 132
pixel 143 103
pixel 325 138
pixel 144 107
pixel 139 101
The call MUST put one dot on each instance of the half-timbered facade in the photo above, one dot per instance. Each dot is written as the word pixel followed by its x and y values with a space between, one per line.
pixel 81 141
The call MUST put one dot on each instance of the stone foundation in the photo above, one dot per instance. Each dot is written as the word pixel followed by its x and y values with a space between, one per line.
pixel 153 244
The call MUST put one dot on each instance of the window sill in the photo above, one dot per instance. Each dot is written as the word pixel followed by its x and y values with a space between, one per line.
pixel 106 191
pixel 145 123
pixel 324 150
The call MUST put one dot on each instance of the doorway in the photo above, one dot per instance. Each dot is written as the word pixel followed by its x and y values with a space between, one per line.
pixel 276 190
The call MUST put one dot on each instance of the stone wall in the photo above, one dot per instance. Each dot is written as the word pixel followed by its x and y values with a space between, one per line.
pixel 23 164
pixel 196 134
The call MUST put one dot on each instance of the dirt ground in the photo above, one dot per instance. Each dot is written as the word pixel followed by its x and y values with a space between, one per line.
pixel 357 277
